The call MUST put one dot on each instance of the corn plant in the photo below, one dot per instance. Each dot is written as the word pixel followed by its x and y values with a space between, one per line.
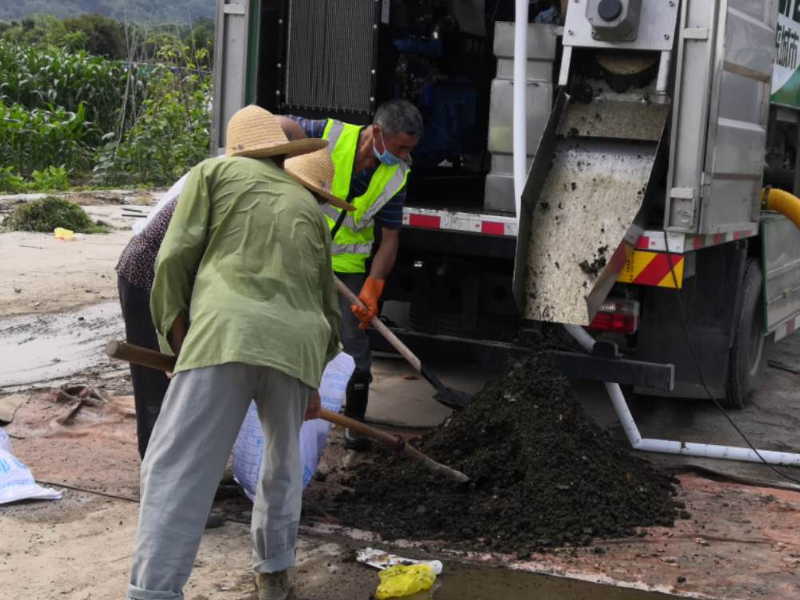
pixel 42 78
pixel 36 139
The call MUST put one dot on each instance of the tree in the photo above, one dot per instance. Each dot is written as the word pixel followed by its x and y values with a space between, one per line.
pixel 104 36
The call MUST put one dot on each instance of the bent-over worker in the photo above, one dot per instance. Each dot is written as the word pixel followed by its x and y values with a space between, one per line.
pixel 244 295
pixel 372 167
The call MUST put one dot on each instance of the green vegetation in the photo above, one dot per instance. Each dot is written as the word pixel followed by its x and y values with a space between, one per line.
pixel 73 111
pixel 151 11
pixel 48 213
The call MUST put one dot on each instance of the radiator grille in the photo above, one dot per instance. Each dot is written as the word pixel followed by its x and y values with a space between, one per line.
pixel 330 55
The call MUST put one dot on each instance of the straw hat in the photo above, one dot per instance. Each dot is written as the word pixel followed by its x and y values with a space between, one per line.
pixel 315 171
pixel 255 132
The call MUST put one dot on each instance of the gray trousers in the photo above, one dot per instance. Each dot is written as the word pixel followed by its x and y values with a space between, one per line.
pixel 354 340
pixel 185 459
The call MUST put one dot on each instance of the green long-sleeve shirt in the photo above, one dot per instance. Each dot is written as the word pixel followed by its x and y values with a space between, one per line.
pixel 247 258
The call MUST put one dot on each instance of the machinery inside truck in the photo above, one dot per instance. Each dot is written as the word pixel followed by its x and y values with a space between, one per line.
pixel 442 56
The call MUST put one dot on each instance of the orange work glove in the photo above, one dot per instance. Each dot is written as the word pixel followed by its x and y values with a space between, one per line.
pixel 370 294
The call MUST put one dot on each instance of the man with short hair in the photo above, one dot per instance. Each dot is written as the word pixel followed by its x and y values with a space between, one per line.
pixel 372 168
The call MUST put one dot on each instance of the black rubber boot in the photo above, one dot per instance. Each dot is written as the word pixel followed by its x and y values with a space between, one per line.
pixel 356 408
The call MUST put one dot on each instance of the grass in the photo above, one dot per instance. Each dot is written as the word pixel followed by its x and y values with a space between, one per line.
pixel 48 213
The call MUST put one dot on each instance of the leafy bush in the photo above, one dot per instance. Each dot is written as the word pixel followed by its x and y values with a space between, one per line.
pixel 46 77
pixel 102 36
pixel 48 213
pixel 36 139
pixel 43 30
pixel 127 122
pixel 171 133
pixel 10 181
pixel 50 179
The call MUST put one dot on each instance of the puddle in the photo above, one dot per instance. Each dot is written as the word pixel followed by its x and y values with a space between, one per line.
pixel 52 347
pixel 501 584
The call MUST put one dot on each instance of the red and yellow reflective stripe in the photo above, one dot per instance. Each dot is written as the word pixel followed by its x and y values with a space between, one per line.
pixel 657 269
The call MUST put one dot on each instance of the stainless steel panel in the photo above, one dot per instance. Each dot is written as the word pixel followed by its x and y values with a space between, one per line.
pixel 504 163
pixel 499 193
pixel 656 27
pixel 736 147
pixel 756 9
pixel 742 101
pixel 690 114
pixel 501 132
pixel 720 114
pixel 739 148
pixel 732 210
pixel 541 41
pixel 536 70
pixel 781 262
pixel 749 43
pixel 230 56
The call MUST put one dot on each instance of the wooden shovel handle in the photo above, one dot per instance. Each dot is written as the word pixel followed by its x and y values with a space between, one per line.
pixel 382 329
pixel 140 356
pixel 165 362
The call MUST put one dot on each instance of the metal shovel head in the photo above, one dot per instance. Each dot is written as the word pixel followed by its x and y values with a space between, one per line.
pixel 454 399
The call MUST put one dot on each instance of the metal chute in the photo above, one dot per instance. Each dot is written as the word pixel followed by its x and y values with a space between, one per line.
pixel 586 188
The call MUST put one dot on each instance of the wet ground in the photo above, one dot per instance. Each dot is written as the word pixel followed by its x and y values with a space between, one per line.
pixel 742 543
pixel 494 584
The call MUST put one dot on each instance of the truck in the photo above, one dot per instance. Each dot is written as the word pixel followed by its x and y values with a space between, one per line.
pixel 655 133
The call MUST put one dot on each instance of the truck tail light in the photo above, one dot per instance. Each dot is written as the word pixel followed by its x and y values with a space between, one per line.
pixel 617 316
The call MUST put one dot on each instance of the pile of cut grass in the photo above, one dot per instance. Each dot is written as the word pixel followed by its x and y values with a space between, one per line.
pixel 48 213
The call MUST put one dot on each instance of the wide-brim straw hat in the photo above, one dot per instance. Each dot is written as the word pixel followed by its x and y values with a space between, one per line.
pixel 315 172
pixel 256 132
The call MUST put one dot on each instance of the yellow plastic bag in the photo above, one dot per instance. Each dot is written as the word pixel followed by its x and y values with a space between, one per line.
pixel 63 234
pixel 404 580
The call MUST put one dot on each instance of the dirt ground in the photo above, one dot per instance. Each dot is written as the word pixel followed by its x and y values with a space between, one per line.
pixel 741 543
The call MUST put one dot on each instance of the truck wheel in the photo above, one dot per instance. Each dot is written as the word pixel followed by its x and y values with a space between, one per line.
pixel 747 356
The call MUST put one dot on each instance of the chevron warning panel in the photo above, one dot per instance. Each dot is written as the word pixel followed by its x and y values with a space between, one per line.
pixel 657 269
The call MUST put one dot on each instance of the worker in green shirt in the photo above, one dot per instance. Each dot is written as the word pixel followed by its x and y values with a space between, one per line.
pixel 244 296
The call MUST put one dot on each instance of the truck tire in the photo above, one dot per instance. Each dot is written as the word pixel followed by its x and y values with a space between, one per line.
pixel 747 356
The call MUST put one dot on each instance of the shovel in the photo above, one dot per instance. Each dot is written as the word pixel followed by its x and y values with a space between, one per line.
pixel 164 362
pixel 451 398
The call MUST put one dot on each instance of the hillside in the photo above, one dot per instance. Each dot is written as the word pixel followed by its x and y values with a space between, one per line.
pixel 151 11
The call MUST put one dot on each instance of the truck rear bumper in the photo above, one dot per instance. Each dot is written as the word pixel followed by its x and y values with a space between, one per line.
pixel 605 364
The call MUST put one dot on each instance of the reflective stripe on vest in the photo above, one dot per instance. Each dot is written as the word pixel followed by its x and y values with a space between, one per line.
pixel 353 242
pixel 339 249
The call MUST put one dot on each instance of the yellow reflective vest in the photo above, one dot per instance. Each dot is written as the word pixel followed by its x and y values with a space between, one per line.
pixel 352 244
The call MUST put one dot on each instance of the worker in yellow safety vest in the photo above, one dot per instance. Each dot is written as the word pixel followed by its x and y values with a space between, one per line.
pixel 372 164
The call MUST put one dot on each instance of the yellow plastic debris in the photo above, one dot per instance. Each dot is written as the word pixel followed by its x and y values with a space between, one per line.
pixel 63 234
pixel 404 580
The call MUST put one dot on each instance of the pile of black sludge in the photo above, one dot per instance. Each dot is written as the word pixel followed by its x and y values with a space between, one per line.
pixel 542 475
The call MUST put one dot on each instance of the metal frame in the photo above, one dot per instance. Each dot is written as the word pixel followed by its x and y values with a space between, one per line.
pixel 228 99
pixel 712 164
pixel 681 210
pixel 721 67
